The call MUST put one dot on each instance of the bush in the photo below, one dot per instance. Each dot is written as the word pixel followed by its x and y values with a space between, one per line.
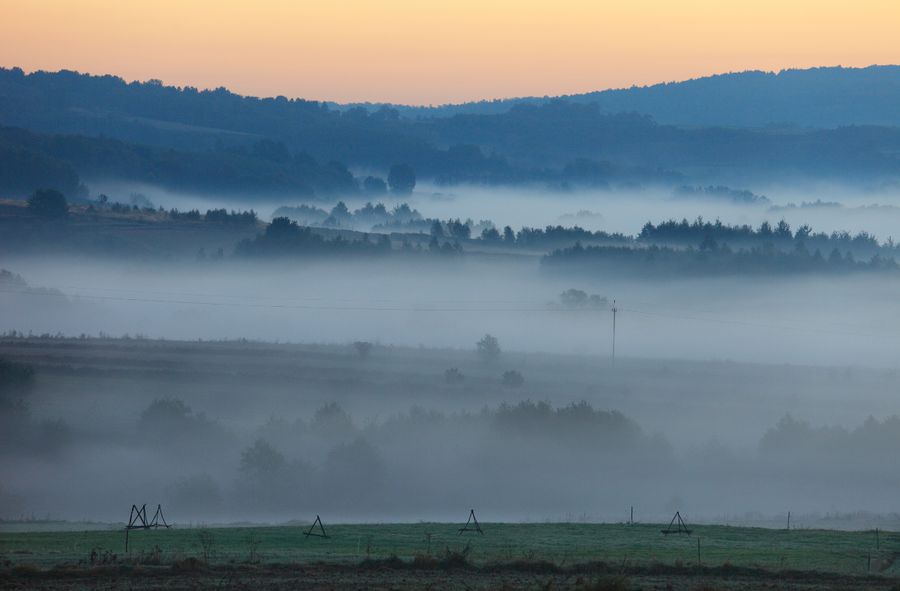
pixel 48 203
pixel 513 379
pixel 488 348
pixel 16 380
pixel 374 186
pixel 402 179
pixel 363 348
pixel 453 376
pixel 456 559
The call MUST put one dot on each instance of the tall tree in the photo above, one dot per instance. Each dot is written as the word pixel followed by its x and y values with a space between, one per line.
pixel 48 203
pixel 402 179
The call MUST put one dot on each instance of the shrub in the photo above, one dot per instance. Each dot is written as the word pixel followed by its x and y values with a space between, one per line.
pixel 488 348
pixel 48 203
pixel 513 379
pixel 363 348
pixel 453 376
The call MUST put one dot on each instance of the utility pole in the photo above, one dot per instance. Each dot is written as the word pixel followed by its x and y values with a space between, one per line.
pixel 614 311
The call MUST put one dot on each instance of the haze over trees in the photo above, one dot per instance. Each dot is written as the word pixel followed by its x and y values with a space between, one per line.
pixel 709 259
pixel 402 179
pixel 311 300
pixel 259 167
pixel 488 348
pixel 254 463
pixel 370 216
pixel 107 127
pixel 285 237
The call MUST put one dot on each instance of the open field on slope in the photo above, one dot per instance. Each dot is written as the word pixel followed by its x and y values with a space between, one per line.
pixel 236 382
pixel 563 544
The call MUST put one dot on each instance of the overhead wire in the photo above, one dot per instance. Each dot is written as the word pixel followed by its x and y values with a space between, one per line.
pixel 431 306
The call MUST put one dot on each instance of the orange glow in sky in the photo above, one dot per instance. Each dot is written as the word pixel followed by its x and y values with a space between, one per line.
pixel 424 52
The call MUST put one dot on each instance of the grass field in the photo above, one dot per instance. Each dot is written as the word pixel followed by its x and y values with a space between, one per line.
pixel 564 544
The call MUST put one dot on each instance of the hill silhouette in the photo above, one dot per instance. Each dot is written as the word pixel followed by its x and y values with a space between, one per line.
pixel 226 142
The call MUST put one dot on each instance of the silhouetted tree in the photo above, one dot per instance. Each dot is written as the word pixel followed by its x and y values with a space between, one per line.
pixel 402 179
pixel 333 422
pixel 374 186
pixel 48 203
pixel 340 211
pixel 355 473
pixel 267 479
pixel 513 379
pixel 363 348
pixel 261 461
pixel 453 376
pixel 15 381
pixel 490 235
pixel 459 230
pixel 164 411
pixel 573 298
pixel 488 348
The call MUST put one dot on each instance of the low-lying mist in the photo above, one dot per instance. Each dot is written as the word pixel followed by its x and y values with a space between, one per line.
pixel 225 432
pixel 817 320
pixel 825 207
pixel 275 388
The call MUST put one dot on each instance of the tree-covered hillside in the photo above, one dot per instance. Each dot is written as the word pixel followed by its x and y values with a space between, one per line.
pixel 589 140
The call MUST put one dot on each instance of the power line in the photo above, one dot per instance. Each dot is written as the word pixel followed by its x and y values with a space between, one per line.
pixel 615 310
pixel 283 298
pixel 405 308
pixel 429 307
pixel 747 323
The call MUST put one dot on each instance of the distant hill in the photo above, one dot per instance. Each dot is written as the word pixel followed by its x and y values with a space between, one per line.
pixel 706 131
pixel 817 97
pixel 152 114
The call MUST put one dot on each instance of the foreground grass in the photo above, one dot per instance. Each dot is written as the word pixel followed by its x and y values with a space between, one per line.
pixel 561 545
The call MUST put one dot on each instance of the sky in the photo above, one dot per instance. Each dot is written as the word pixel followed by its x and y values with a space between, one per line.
pixel 429 52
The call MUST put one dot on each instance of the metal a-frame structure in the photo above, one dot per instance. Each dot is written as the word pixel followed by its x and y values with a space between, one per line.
pixel 321 533
pixel 471 525
pixel 137 519
pixel 678 528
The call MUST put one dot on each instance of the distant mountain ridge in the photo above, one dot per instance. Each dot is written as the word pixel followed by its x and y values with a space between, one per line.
pixel 218 140
pixel 824 97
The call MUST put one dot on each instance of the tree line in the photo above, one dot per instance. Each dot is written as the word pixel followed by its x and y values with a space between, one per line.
pixel 705 234
pixel 340 216
pixel 561 142
pixel 657 261
pixel 31 161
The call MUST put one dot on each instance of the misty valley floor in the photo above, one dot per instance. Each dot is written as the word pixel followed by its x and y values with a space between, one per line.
pixel 439 447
